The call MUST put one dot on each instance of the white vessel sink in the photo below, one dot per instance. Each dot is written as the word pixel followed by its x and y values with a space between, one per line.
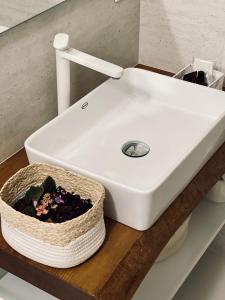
pixel 182 123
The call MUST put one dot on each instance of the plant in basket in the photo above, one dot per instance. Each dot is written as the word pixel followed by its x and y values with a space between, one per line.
pixel 50 203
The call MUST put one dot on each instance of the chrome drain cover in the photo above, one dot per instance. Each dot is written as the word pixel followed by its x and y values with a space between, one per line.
pixel 135 149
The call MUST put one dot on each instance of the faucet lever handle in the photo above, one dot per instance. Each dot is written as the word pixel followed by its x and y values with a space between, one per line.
pixel 61 41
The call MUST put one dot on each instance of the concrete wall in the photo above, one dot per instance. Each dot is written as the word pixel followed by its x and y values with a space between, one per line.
pixel 27 73
pixel 172 32
pixel 13 12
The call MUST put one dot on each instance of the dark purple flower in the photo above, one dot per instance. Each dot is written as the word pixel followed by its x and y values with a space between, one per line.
pixel 58 199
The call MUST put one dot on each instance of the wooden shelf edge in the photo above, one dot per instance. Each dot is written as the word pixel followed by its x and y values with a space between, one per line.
pixel 43 280
pixel 156 70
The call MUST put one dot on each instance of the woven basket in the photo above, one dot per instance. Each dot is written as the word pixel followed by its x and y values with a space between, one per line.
pixel 61 245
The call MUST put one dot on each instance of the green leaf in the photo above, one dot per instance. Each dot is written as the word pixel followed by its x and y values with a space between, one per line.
pixel 49 185
pixel 34 193
pixel 29 211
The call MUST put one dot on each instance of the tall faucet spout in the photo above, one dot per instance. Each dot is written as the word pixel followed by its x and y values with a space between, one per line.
pixel 93 63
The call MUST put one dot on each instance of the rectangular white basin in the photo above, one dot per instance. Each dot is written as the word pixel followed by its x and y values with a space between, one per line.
pixel 183 124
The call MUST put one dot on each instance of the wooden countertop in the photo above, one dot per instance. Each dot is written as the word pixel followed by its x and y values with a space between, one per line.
pixel 118 268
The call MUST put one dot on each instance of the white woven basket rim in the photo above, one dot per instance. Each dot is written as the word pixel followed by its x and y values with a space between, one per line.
pixel 75 220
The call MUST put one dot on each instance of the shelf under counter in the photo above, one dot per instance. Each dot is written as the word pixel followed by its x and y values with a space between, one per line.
pixel 166 277
pixel 206 281
pixel 21 290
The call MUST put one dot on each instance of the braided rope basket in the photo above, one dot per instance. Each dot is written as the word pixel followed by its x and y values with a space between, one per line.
pixel 61 245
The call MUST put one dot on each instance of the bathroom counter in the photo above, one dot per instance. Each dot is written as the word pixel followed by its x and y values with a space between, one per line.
pixel 118 268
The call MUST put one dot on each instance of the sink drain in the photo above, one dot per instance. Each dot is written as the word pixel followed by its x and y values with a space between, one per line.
pixel 135 149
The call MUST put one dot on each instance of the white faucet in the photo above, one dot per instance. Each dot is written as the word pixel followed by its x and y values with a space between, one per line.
pixel 64 55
